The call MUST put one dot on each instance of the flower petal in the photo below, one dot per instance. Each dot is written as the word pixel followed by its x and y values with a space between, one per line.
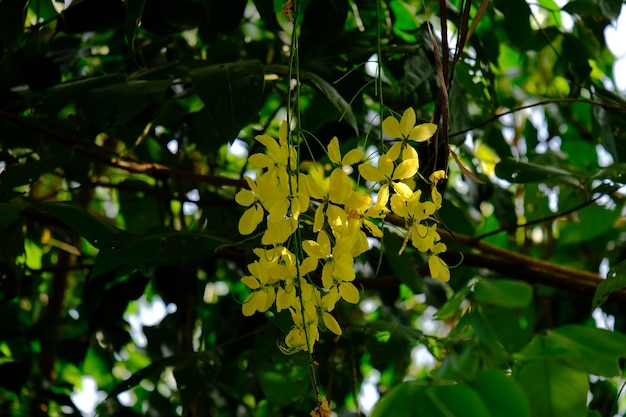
pixel 331 323
pixel 250 220
pixel 371 173
pixel 407 123
pixel 333 151
pixel 406 169
pixel 348 292
pixel 352 157
pixel 423 132
pixel 391 127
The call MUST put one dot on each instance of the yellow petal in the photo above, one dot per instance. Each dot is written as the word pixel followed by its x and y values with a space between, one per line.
pixel 423 132
pixel 251 282
pixel 352 157
pixel 333 151
pixel 403 189
pixel 318 223
pixel 398 206
pixel 259 160
pixel 406 169
pixel 391 127
pixel 394 152
pixel 250 220
pixel 385 165
pixel 371 173
pixel 245 198
pixel 331 323
pixel 407 122
pixel 308 265
pixel 438 269
pixel 270 143
pixel 248 307
pixel 348 292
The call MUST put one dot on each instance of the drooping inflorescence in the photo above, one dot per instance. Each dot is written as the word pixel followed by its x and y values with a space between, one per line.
pixel 289 198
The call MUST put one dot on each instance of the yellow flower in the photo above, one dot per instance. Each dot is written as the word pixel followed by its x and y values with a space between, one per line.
pixel 279 154
pixel 406 129
pixel 387 174
pixel 263 293
pixel 254 214
pixel 438 268
pixel 352 157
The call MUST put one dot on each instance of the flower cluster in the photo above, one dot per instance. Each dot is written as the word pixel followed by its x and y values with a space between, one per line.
pixel 293 199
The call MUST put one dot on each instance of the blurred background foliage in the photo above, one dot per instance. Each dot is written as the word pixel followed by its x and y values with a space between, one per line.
pixel 124 132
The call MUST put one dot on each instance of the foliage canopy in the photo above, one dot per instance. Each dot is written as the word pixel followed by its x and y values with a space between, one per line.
pixel 127 129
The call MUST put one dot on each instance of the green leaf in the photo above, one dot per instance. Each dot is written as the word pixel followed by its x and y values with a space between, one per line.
pixel 415 399
pixel 592 222
pixel 554 389
pixel 611 8
pixel 118 104
pixel 59 96
pixel 12 16
pixel 134 10
pixel 516 15
pixel 159 248
pixel 504 293
pixel 336 99
pixel 525 172
pixel 602 123
pixel 501 394
pixel 451 308
pixel 80 221
pixel 204 361
pixel 615 281
pixel 594 351
pixel 232 96
pixel 29 172
pixel 403 266
pixel 10 212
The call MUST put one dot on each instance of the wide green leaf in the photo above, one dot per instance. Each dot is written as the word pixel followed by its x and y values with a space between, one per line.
pixel 232 96
pixel 336 99
pixel 504 293
pixel 554 389
pixel 29 172
pixel 165 247
pixel 525 172
pixel 10 212
pixel 80 221
pixel 615 281
pixel 501 394
pixel 595 351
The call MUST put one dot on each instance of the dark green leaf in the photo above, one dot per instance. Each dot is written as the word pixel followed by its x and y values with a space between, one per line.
pixel 605 127
pixel 504 293
pixel 554 389
pixel 57 97
pixel 615 281
pixel 517 22
pixel 595 351
pixel 160 248
pixel 232 96
pixel 134 10
pixel 591 222
pixel 29 172
pixel 12 16
pixel 525 172
pixel 415 399
pixel 10 212
pixel 403 266
pixel 501 394
pixel 80 221
pixel 336 99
